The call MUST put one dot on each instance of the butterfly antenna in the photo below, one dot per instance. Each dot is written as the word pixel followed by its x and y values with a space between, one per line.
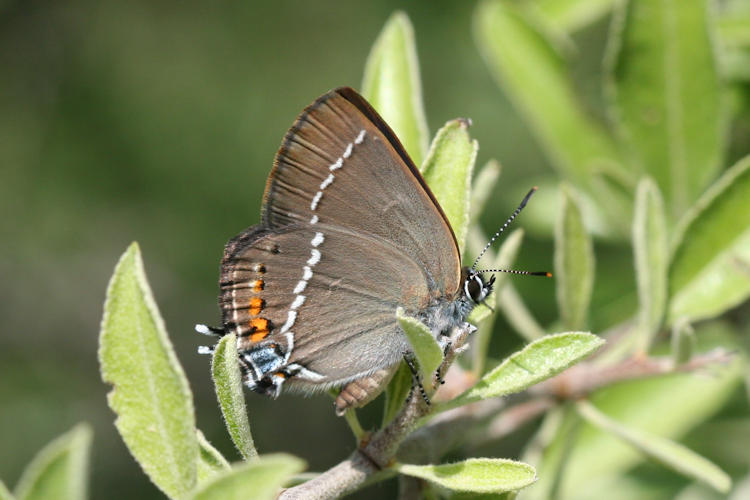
pixel 546 274
pixel 507 223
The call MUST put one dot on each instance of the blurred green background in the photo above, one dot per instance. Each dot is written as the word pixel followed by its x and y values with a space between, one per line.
pixel 158 122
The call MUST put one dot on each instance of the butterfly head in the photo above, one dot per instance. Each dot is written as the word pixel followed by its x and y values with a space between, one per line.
pixel 475 286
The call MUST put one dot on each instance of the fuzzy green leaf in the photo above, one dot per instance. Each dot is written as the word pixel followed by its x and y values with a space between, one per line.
pixel 259 479
pixel 668 452
pixel 479 475
pixel 530 70
pixel 396 393
pixel 483 187
pixel 225 369
pixel 59 470
pixel 150 394
pixel 666 94
pixel 448 169
pixel 210 460
pixel 651 259
pixel 393 87
pixel 710 269
pixel 574 263
pixel 537 361
pixel 423 343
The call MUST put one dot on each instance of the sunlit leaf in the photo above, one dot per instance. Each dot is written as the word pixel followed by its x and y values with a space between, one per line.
pixel 710 269
pixel 425 347
pixel 651 260
pixel 666 94
pixel 259 479
pixel 59 470
pixel 150 394
pixel 574 263
pixel 393 87
pixel 537 361
pixel 225 369
pixel 668 452
pixel 480 475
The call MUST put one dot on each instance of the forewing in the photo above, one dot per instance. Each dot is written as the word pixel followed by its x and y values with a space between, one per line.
pixel 341 165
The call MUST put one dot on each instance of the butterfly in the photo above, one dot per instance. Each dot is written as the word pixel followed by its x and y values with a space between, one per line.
pixel 349 232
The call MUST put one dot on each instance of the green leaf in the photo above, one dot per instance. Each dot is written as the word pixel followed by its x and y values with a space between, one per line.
pixel 517 314
pixel 574 263
pixel 5 493
pixel 59 470
pixel 210 461
pixel 448 169
pixel 530 71
pixel 734 29
pixel 710 269
pixel 668 406
pixel 651 260
pixel 669 453
pixel 482 188
pixel 537 361
pixel 393 87
pixel 150 394
pixel 396 393
pixel 666 95
pixel 225 369
pixel 426 349
pixel 572 15
pixel 480 475
pixel 259 479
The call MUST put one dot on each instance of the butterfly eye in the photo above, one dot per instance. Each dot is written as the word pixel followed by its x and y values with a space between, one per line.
pixel 474 288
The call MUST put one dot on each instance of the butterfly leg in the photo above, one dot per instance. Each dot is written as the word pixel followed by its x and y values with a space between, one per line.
pixel 416 382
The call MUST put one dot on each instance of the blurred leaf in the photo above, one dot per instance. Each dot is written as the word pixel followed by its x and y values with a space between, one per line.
pixel 150 394
pixel 225 369
pixel 530 71
pixel 710 269
pixel 742 489
pixel 396 393
pixel 448 169
pixel 735 64
pixel 60 470
pixel 669 453
pixel 480 475
pixel 483 187
pixel 666 94
pixel 683 341
pixel 734 29
pixel 574 263
pixel 537 361
pixel 666 406
pixel 210 461
pixel 572 15
pixel 5 494
pixel 393 87
pixel 517 314
pixel 651 259
pixel 425 347
pixel 260 479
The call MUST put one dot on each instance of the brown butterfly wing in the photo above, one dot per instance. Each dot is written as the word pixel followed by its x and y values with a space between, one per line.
pixel 376 188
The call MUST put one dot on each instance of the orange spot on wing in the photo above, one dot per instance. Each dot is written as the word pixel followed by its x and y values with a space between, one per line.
pixel 256 305
pixel 259 329
pixel 257 285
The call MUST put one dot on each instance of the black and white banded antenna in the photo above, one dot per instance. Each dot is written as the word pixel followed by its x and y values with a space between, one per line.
pixel 498 233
